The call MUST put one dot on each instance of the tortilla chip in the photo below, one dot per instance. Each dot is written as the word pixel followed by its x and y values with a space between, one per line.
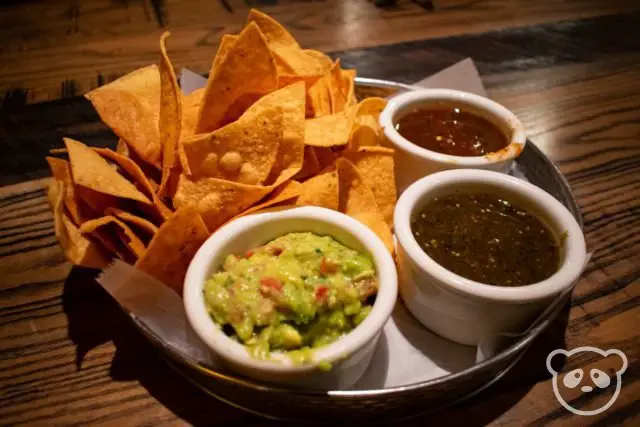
pixel 287 192
pixel 297 61
pixel 319 98
pixel 357 201
pixel 226 43
pixel 136 173
pixel 92 171
pixel 170 118
pixel 310 165
pixel 190 108
pixel 321 190
pixel 61 171
pixel 173 246
pixel 289 79
pixel 193 99
pixel 371 106
pixel 329 131
pixel 130 106
pixel 377 166
pixel 366 129
pixel 376 223
pixel 338 96
pixel 109 238
pixel 217 200
pixel 366 132
pixel 122 148
pixel 247 70
pixel 283 69
pixel 326 95
pixel 114 227
pixel 273 31
pixel 291 150
pixel 321 59
pixel 151 172
pixel 145 227
pixel 348 86
pixel 253 141
pixel 327 155
pixel 99 202
pixel 78 249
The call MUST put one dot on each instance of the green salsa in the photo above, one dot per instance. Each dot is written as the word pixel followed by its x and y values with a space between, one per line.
pixel 296 293
pixel 487 239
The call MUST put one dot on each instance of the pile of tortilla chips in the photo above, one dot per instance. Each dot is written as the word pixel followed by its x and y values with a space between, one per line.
pixel 275 125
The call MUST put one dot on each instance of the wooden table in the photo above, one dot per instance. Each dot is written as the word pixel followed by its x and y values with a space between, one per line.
pixel 569 69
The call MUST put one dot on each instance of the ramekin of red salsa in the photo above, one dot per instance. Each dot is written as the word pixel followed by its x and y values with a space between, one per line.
pixel 482 253
pixel 439 129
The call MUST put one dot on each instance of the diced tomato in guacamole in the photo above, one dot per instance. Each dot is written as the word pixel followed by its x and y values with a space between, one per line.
pixel 297 292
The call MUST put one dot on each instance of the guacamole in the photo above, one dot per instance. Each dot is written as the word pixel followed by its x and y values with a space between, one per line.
pixel 297 292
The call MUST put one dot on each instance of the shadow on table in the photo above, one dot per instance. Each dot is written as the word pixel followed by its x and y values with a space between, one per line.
pixel 95 318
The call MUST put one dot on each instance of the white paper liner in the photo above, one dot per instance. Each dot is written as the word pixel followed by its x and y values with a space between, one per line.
pixel 156 305
pixel 407 352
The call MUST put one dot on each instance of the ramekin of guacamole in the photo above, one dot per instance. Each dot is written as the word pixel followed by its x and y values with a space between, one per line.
pixel 293 294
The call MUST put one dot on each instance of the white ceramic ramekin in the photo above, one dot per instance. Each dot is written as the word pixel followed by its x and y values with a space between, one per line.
pixel 414 162
pixel 350 355
pixel 463 310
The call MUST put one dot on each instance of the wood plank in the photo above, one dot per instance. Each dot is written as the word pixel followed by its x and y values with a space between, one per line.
pixel 69 355
pixel 63 48
pixel 506 60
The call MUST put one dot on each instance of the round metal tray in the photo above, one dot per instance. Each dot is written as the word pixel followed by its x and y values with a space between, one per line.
pixel 384 404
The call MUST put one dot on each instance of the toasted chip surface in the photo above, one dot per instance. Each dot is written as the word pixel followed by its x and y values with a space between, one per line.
pixel 376 166
pixel 157 206
pixel 190 107
pixel 170 121
pixel 173 246
pixel 138 222
pixel 254 139
pixel 357 200
pixel 248 69
pixel 273 31
pixel 115 227
pixel 321 190
pixel 290 155
pixel 331 130
pixel 365 132
pixel 287 192
pixel 226 43
pixel 319 98
pixel 130 106
pixel 217 200
pixel 78 249
pixel 310 164
pixel 61 171
pixel 92 171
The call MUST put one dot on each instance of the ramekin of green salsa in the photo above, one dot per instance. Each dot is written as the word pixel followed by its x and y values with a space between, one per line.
pixel 482 253
pixel 297 296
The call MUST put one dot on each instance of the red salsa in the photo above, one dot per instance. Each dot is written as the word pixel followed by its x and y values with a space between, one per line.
pixel 451 130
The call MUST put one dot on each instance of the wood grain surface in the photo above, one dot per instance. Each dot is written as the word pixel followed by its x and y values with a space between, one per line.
pixel 570 70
